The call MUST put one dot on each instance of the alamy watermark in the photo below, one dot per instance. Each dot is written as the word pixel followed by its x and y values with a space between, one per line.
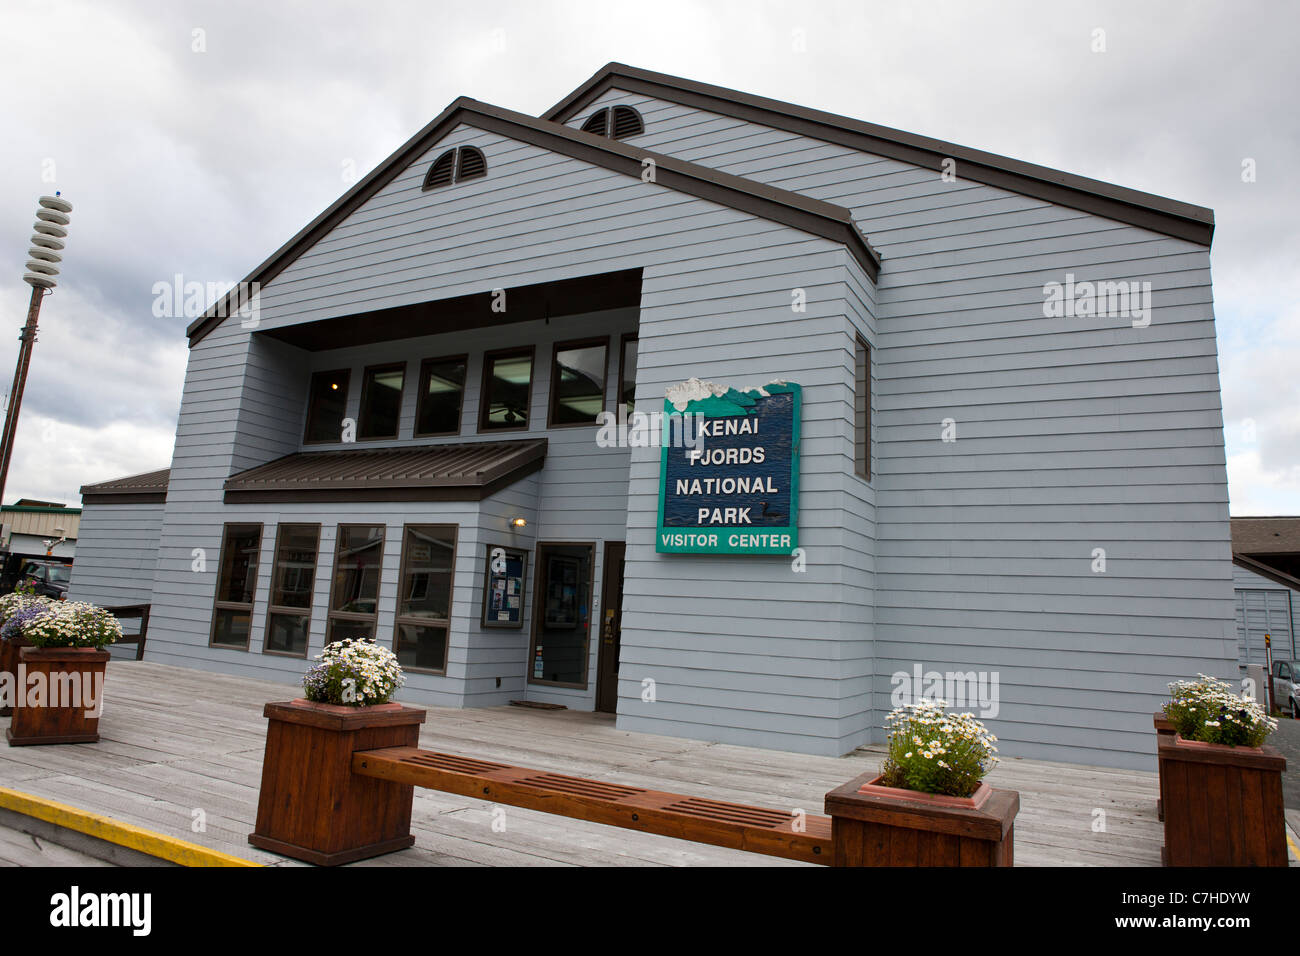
pixel 78 690
pixel 1106 299
pixel 651 430
pixel 181 299
pixel 974 690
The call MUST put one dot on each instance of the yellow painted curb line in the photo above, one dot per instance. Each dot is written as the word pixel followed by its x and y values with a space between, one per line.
pixel 135 838
pixel 1291 844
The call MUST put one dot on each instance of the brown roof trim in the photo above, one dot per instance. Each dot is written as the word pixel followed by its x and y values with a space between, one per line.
pixel 1166 216
pixel 1264 571
pixel 758 199
pixel 463 471
pixel 148 487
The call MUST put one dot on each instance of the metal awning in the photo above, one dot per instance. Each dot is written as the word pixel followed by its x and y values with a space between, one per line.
pixel 468 471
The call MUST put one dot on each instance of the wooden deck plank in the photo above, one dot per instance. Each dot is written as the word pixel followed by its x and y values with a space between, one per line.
pixel 175 739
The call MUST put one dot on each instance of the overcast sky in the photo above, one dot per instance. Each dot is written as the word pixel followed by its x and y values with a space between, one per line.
pixel 195 138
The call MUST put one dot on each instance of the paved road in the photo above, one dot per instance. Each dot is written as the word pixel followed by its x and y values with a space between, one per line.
pixel 1287 739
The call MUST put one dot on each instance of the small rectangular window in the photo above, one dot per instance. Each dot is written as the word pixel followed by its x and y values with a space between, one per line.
pixel 578 382
pixel 442 390
pixel 424 596
pixel 327 403
pixel 232 612
pixel 354 594
pixel 381 401
pixel 862 408
pixel 627 374
pixel 293 579
pixel 507 390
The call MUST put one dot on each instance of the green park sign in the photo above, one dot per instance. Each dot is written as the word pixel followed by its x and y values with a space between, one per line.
pixel 731 485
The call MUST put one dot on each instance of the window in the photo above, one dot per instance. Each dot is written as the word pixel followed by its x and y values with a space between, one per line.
pixel 442 390
pixel 327 402
pixel 507 390
pixel 354 593
pixel 456 165
pixel 381 401
pixel 578 382
pixel 293 577
pixel 424 596
pixel 862 408
pixel 232 612
pixel 618 122
pixel 627 374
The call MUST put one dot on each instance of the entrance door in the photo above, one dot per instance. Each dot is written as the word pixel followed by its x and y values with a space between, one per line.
pixel 611 618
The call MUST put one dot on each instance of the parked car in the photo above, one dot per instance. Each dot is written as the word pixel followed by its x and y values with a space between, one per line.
pixel 49 578
pixel 1286 686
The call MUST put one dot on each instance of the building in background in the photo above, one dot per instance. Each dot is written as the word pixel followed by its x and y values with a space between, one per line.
pixel 1266 579
pixel 36 531
pixel 1010 459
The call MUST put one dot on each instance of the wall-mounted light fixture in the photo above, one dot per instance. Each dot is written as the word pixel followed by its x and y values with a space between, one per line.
pixel 517 522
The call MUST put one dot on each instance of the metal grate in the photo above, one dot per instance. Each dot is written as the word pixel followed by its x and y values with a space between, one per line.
pixel 440 172
pixel 597 122
pixel 471 164
pixel 627 122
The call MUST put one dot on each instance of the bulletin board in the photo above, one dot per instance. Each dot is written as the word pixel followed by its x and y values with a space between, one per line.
pixel 503 586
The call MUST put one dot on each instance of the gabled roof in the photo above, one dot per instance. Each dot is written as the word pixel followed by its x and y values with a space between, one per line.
pixel 467 471
pixel 767 202
pixel 1165 216
pixel 1271 535
pixel 151 486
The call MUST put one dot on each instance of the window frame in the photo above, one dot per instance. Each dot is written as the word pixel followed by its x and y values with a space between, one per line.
pixel 425 365
pixel 399 620
pixel 220 605
pixel 346 374
pixel 553 399
pixel 862 446
pixel 484 398
pixel 622 369
pixel 354 617
pixel 273 609
pixel 365 389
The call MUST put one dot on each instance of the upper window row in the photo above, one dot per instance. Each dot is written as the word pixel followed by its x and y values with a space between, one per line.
pixel 505 398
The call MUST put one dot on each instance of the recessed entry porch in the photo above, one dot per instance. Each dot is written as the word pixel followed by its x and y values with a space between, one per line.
pixel 424 440
pixel 175 739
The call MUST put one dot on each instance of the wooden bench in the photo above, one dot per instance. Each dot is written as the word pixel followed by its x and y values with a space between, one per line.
pixel 127 612
pixel 338 785
pixel 805 837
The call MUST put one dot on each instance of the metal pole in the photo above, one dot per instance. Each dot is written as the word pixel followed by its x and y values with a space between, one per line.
pixel 28 338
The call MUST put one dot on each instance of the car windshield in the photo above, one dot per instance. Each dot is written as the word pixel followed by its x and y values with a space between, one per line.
pixel 60 575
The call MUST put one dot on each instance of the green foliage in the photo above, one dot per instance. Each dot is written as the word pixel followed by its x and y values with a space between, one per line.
pixel 1206 709
pixel 933 751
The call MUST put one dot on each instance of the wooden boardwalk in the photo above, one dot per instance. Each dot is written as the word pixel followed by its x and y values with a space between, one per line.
pixel 181 754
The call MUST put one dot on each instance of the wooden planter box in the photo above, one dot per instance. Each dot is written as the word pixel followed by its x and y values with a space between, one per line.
pixel 1164 730
pixel 67 721
pixel 1223 805
pixel 312 806
pixel 9 663
pixel 901 828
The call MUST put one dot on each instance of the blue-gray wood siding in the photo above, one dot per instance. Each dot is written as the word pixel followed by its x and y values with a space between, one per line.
pixel 1073 434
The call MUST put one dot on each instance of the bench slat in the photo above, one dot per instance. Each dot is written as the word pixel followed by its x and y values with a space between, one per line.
pixel 733 825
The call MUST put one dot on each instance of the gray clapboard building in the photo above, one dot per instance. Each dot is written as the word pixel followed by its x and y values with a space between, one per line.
pixel 1011 463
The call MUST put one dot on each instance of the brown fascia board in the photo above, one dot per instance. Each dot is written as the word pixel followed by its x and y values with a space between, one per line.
pixel 759 199
pixel 1264 571
pixel 1166 216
